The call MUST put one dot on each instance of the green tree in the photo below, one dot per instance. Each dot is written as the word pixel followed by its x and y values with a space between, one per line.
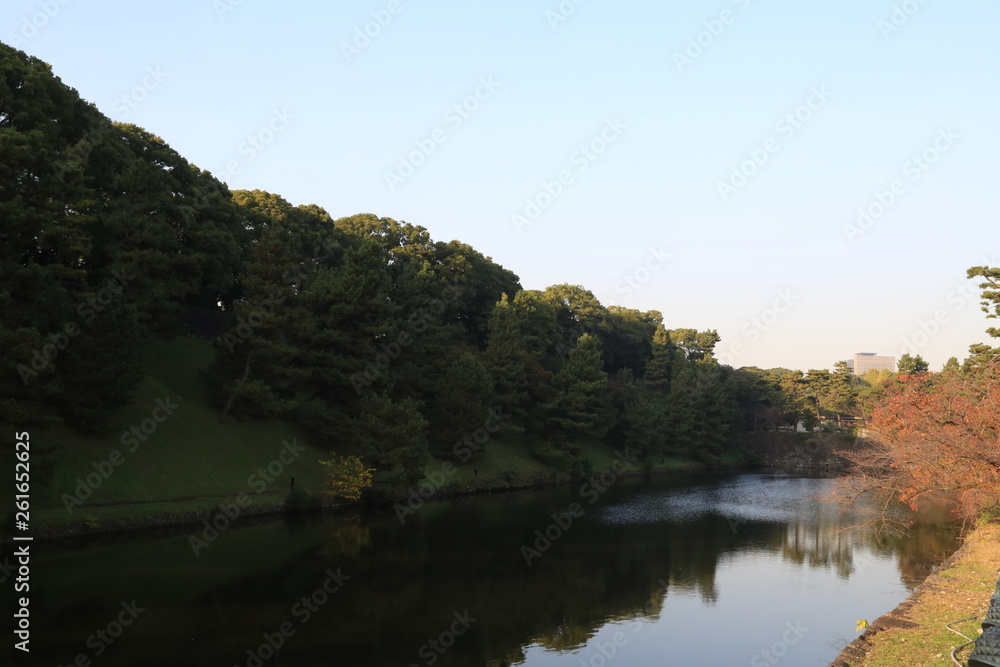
pixel 580 406
pixel 506 360
pixel 393 434
pixel 461 403
pixel 908 365
pixel 102 368
pixel 695 345
pixel 990 294
pixel 578 312
pixel 840 394
pixel 663 357
pixel 642 423
pixel 980 354
pixel 629 339
pixel 951 366
pixel 702 414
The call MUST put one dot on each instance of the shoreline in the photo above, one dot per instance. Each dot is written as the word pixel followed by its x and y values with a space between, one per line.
pixel 155 521
pixel 914 633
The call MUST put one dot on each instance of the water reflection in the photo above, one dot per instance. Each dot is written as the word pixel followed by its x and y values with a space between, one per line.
pixel 674 557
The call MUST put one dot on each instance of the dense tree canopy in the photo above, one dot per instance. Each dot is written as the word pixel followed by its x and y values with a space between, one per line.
pixel 385 344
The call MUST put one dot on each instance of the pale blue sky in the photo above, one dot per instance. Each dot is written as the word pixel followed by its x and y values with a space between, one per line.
pixel 221 76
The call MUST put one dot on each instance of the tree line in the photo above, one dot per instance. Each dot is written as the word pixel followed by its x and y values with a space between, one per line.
pixel 377 338
pixel 381 341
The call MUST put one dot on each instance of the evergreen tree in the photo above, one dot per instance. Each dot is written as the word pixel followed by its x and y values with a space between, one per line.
pixel 101 368
pixel 660 369
pixel 911 364
pixel 951 366
pixel 580 406
pixel 393 435
pixel 461 403
pixel 505 359
pixel 643 418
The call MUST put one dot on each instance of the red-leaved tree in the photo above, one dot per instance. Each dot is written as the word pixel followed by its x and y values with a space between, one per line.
pixel 935 435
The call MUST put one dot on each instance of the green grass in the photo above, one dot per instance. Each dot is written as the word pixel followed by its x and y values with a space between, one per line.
pixel 506 461
pixel 190 463
pixel 959 591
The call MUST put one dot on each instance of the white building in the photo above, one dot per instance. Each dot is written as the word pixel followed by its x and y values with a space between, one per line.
pixel 866 361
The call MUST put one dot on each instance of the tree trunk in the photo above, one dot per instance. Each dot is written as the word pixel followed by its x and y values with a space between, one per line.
pixel 232 394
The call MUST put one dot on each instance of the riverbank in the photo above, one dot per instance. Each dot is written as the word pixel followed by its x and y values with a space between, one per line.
pixel 141 515
pixel 915 632
pixel 169 461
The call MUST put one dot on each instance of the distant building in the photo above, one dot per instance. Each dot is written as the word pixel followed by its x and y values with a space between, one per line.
pixel 866 361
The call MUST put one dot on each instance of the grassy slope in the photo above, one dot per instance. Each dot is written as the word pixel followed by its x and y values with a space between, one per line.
pixel 956 592
pixel 191 463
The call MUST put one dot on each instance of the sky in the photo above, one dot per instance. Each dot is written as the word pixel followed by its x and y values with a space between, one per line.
pixel 811 180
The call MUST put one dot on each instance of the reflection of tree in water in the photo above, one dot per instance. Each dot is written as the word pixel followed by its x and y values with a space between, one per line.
pixel 830 540
pixel 820 544
pixel 408 581
pixel 348 536
pixel 919 554
pixel 687 557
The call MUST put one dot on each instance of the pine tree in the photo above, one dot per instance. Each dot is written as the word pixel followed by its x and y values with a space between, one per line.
pixel 506 360
pixel 461 403
pixel 102 367
pixel 392 434
pixel 660 368
pixel 581 405
pixel 643 418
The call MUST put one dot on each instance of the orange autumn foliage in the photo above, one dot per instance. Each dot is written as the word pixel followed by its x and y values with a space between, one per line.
pixel 933 434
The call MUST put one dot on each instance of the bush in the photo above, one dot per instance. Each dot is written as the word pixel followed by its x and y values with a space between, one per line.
pixel 299 500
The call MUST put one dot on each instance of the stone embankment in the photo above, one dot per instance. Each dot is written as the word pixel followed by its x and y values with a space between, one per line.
pixel 798 452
